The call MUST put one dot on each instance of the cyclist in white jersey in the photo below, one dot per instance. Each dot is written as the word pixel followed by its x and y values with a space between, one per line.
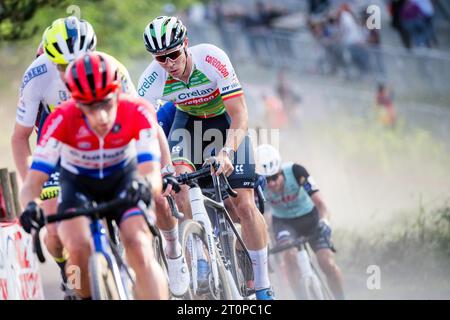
pixel 209 99
pixel 42 89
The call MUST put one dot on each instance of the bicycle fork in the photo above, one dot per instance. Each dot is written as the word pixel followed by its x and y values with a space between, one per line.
pixel 101 246
pixel 200 215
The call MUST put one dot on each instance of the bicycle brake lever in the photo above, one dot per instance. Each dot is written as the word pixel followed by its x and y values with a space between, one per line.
pixel 37 247
pixel 212 161
pixel 228 188
pixel 173 208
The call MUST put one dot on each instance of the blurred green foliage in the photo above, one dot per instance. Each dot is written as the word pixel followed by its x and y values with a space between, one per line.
pixel 119 24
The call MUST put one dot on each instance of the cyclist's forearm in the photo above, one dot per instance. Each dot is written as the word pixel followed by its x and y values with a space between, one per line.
pixel 155 179
pixel 236 134
pixel 32 187
pixel 320 205
pixel 323 211
pixel 164 146
pixel 22 154
pixel 237 110
pixel 152 172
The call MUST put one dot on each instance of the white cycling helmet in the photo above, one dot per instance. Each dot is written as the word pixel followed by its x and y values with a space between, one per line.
pixel 268 160
pixel 164 33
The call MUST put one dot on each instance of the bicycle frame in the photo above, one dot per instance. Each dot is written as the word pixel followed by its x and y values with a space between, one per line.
pixel 212 225
pixel 103 245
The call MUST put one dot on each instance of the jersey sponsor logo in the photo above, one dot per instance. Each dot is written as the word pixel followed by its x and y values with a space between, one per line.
pixel 231 87
pixel 221 67
pixel 310 185
pixel 148 81
pixel 117 142
pixel 116 128
pixel 96 155
pixel 176 149
pixel 33 73
pixel 196 93
pixel 84 145
pixel 285 199
pixel 82 133
pixel 21 111
pixel 239 169
pixel 63 95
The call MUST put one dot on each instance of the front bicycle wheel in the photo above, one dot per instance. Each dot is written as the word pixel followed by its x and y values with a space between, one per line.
pixel 194 241
pixel 102 281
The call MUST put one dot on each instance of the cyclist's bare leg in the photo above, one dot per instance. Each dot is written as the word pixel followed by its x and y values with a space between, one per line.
pixel 150 278
pixel 168 226
pixel 182 197
pixel 232 210
pixel 327 263
pixel 51 239
pixel 291 270
pixel 254 229
pixel 254 234
pixel 76 238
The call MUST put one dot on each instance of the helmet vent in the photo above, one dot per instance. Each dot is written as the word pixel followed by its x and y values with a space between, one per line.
pixel 55 44
pixel 82 39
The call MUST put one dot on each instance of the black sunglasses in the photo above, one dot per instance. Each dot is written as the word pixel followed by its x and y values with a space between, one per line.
pixel 272 177
pixel 172 56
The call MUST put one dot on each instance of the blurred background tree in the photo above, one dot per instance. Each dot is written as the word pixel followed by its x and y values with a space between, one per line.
pixel 119 24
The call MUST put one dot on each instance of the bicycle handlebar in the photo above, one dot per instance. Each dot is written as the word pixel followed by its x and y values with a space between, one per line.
pixel 296 243
pixel 96 209
pixel 185 178
pixel 91 211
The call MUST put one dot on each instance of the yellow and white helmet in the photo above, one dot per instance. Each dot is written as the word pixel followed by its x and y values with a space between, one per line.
pixel 68 37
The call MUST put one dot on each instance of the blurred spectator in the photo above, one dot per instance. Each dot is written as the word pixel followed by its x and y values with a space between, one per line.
pixel 396 8
pixel 290 99
pixel 276 116
pixel 384 106
pixel 352 38
pixel 197 16
pixel 318 6
pixel 331 41
pixel 227 20
pixel 427 9
pixel 259 24
pixel 373 40
pixel 413 21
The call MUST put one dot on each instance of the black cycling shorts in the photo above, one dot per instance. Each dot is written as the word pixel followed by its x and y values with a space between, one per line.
pixel 197 139
pixel 289 229
pixel 78 191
